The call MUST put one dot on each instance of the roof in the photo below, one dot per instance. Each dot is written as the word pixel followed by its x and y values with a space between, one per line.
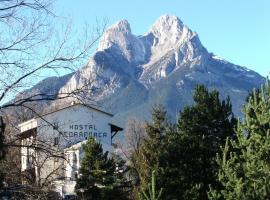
pixel 63 108
pixel 30 122
pixel 115 128
pixel 76 104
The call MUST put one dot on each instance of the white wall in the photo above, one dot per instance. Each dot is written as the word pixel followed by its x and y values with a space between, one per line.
pixel 27 153
pixel 75 124
pixel 72 125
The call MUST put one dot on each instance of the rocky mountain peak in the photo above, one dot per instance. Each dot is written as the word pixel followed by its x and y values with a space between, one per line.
pixel 121 26
pixel 169 29
pixel 120 40
pixel 169 33
pixel 129 74
pixel 117 34
pixel 167 23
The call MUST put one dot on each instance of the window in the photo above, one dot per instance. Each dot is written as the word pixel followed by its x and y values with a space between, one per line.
pixel 56 141
pixel 55 126
pixel 74 158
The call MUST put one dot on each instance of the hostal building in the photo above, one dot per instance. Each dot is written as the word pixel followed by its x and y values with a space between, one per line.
pixel 52 144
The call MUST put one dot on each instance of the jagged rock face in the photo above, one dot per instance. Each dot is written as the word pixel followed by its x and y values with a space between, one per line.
pixel 119 38
pixel 128 73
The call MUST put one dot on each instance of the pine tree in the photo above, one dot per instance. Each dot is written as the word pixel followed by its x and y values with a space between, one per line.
pixel 190 152
pixel 148 156
pixel 184 158
pixel 101 176
pixel 151 193
pixel 245 162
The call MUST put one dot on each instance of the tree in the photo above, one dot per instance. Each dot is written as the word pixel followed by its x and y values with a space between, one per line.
pixel 101 176
pixel 151 193
pixel 244 164
pixel 2 138
pixel 147 157
pixel 202 128
pixel 32 48
pixel 2 148
pixel 134 135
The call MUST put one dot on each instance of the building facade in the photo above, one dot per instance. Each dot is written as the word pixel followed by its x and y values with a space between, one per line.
pixel 52 144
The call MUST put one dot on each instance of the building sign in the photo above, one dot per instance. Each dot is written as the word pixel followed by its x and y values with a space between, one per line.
pixel 84 131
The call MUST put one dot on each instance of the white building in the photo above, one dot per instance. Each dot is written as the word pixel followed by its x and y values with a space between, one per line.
pixel 51 143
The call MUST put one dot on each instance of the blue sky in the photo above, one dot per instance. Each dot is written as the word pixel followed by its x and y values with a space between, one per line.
pixel 236 30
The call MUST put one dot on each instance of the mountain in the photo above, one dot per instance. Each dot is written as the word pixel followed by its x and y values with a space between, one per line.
pixel 128 74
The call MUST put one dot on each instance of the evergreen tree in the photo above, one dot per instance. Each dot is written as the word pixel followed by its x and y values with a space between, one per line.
pixel 148 157
pixel 101 176
pixel 190 153
pixel 151 193
pixel 245 162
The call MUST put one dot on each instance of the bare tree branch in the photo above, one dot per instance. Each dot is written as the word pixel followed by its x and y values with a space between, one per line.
pixel 29 47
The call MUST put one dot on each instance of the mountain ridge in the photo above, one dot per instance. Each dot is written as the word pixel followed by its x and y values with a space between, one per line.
pixel 128 74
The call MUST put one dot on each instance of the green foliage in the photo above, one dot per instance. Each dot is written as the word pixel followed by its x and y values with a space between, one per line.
pixel 184 155
pixel 101 176
pixel 190 153
pixel 151 193
pixel 148 156
pixel 245 162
